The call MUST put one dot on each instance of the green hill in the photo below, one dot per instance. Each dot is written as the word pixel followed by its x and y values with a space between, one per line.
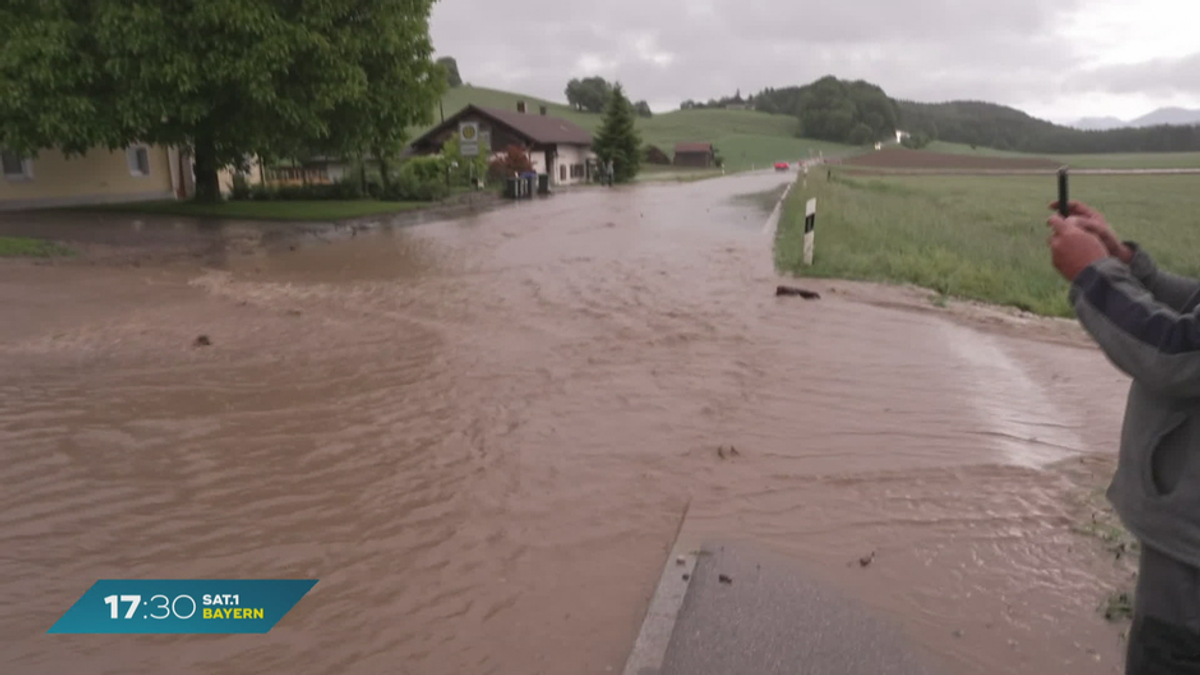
pixel 744 138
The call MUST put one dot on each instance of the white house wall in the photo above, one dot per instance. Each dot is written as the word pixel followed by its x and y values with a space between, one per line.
pixel 569 155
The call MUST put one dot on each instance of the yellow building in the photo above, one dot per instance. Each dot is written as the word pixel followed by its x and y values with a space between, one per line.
pixel 137 173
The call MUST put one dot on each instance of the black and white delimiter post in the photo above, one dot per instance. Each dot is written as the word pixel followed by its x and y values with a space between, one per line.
pixel 810 224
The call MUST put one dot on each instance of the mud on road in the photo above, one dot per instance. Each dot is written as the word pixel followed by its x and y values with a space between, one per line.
pixel 479 434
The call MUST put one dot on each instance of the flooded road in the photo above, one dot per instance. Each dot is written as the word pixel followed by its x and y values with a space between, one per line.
pixel 481 434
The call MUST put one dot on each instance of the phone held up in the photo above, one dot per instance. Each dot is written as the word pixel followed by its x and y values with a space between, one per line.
pixel 1064 208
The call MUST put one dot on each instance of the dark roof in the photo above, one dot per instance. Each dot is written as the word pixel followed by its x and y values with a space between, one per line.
pixel 693 147
pixel 534 127
pixel 541 128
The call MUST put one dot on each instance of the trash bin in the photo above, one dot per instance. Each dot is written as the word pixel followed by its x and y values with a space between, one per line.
pixel 530 179
pixel 543 183
pixel 512 188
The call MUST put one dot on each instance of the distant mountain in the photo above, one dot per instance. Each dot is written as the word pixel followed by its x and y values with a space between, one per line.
pixel 1168 116
pixel 1177 116
pixel 1099 123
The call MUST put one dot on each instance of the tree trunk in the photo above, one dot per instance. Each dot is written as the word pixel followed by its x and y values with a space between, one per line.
pixel 384 176
pixel 208 186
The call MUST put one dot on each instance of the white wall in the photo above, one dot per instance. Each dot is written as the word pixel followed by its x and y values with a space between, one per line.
pixel 567 156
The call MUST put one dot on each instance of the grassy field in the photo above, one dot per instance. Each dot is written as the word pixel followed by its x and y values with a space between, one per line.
pixel 317 210
pixel 977 237
pixel 1131 160
pixel 746 139
pixel 13 247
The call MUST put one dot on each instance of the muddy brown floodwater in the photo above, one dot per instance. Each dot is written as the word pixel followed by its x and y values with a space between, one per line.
pixel 480 435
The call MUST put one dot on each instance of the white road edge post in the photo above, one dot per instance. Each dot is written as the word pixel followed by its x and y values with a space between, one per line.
pixel 810 224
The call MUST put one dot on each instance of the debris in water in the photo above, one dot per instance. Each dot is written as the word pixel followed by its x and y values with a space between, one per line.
pixel 292 247
pixel 294 312
pixel 725 578
pixel 958 632
pixel 686 577
pixel 725 453
pixel 791 290
pixel 680 560
pixel 866 559
pixel 1119 606
pixel 202 341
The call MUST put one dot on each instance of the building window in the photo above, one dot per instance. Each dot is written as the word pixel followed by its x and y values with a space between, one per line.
pixel 562 173
pixel 576 171
pixel 139 160
pixel 15 166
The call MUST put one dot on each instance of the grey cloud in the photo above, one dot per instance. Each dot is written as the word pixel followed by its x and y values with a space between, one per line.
pixel 666 51
pixel 1157 77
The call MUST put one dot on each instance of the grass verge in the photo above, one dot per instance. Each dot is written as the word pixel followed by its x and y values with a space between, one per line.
pixel 1115 160
pixel 316 210
pixel 976 237
pixel 26 247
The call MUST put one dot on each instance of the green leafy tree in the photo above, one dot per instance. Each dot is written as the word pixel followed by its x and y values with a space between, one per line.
pixel 642 109
pixel 590 94
pixel 450 68
pixel 226 79
pixel 618 140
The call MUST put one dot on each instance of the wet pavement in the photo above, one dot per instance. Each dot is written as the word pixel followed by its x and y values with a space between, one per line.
pixel 748 613
pixel 480 434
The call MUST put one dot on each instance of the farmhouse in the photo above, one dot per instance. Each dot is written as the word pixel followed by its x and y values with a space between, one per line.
pixel 694 154
pixel 555 146
pixel 137 173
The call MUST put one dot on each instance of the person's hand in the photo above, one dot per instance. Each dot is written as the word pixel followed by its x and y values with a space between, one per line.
pixel 1072 248
pixel 1093 221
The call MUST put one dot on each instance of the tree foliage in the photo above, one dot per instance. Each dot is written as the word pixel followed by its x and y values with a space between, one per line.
pixel 450 68
pixel 642 109
pixel 973 123
pixel 916 140
pixel 987 124
pixel 618 140
pixel 224 78
pixel 590 94
pixel 514 160
pixel 855 112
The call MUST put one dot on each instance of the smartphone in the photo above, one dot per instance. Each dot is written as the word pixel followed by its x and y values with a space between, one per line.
pixel 1064 207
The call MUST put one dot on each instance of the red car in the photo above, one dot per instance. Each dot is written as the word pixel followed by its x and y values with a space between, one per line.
pixel 782 166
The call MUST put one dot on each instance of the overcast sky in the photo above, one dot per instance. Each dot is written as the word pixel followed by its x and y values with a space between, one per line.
pixel 1056 60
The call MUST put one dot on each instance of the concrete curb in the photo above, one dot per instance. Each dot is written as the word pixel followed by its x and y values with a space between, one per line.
pixel 650 649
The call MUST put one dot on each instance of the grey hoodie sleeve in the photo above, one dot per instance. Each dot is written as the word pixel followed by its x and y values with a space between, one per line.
pixel 1178 293
pixel 1155 344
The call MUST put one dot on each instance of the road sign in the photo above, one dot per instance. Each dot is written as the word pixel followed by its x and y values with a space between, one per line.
pixel 468 138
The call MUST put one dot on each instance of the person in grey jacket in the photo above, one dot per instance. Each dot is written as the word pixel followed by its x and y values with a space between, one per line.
pixel 1147 322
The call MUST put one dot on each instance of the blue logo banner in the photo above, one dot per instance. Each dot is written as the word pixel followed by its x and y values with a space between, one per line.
pixel 183 606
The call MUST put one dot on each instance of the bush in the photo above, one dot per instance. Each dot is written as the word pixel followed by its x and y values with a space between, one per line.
pixel 425 168
pixel 514 160
pixel 916 140
pixel 409 187
pixel 346 188
pixel 432 191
